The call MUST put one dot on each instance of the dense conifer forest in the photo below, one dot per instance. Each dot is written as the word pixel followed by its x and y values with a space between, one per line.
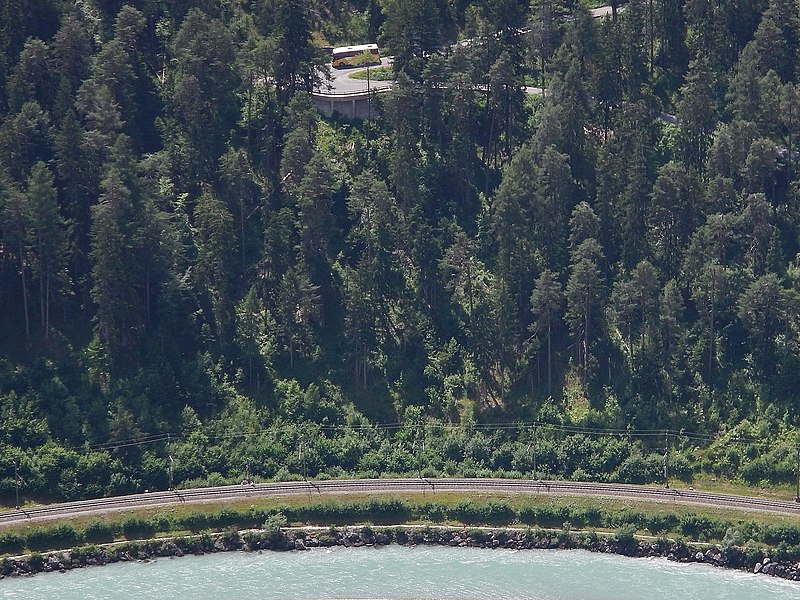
pixel 204 280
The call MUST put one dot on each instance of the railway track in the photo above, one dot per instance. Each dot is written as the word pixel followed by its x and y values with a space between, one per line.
pixel 387 486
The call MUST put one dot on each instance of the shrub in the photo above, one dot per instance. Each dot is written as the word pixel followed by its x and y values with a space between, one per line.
pixel 431 512
pixel 11 543
pixel 499 513
pixel 660 523
pixel 53 538
pixel 625 537
pixel 387 509
pixel 592 516
pixel 99 532
pixel 630 517
pixel 776 534
pixel 195 521
pixel 273 532
pixel 590 539
pixel 550 516
pixel 134 528
pixel 701 528
pixel 638 468
pixel 479 535
pixel 680 466
pixel 81 553
pixel 787 552
pixel 36 561
pixel 232 538
pixel 364 59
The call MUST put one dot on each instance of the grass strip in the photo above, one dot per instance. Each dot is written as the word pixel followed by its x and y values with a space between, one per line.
pixel 702 524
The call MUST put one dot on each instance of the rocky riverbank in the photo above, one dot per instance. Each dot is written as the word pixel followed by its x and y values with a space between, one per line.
pixel 296 539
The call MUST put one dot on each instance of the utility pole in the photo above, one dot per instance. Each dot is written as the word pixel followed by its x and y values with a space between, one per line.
pixel 16 483
pixel 171 470
pixel 534 450
pixel 419 446
pixel 303 454
pixel 666 459
pixel 797 469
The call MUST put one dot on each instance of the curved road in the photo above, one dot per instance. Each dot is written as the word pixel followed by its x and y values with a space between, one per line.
pixel 388 486
pixel 341 83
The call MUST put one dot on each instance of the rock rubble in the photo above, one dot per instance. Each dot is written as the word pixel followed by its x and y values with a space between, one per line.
pixel 299 540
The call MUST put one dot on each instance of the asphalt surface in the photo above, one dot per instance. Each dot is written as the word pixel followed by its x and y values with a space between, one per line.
pixel 341 83
pixel 389 486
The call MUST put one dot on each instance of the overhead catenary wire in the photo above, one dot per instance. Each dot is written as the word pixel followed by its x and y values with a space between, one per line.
pixel 532 426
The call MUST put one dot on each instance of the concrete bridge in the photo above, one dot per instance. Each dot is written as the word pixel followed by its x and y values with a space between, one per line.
pixel 353 105
pixel 348 97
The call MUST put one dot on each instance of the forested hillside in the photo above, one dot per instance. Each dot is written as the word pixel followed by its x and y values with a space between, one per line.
pixel 201 279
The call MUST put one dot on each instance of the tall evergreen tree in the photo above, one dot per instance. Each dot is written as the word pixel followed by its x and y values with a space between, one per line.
pixel 546 304
pixel 412 30
pixel 47 239
pixel 298 60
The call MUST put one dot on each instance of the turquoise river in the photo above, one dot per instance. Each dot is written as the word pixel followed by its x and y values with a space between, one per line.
pixel 401 572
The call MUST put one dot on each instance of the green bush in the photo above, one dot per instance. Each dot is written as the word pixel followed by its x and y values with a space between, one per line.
pixel 387 510
pixel 702 528
pixel 776 534
pixel 681 467
pixel 11 543
pixel 630 517
pixel 376 74
pixel 544 516
pixel 479 535
pixel 56 537
pixel 82 553
pixel 639 468
pixel 430 511
pixel 625 538
pixel 135 528
pixel 756 471
pixel 100 532
pixel 232 537
pixel 490 513
pixel 195 522
pixel 36 561
pixel 273 531
pixel 660 523
pixel 787 552
pixel 591 516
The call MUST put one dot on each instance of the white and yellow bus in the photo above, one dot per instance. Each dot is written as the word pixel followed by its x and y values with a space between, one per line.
pixel 355 56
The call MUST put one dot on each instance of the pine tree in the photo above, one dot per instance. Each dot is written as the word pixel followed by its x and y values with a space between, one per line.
pixel 584 288
pixel 215 239
pixel 696 112
pixel 116 324
pixel 47 239
pixel 413 30
pixel 255 336
pixel 546 304
pixel 298 60
pixel 33 77
pixel 16 230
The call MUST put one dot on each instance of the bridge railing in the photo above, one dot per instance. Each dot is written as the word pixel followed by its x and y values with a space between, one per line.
pixel 350 94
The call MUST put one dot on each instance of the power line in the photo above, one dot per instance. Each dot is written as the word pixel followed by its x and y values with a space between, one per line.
pixel 379 428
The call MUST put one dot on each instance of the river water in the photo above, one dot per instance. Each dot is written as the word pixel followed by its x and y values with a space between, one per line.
pixel 397 572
